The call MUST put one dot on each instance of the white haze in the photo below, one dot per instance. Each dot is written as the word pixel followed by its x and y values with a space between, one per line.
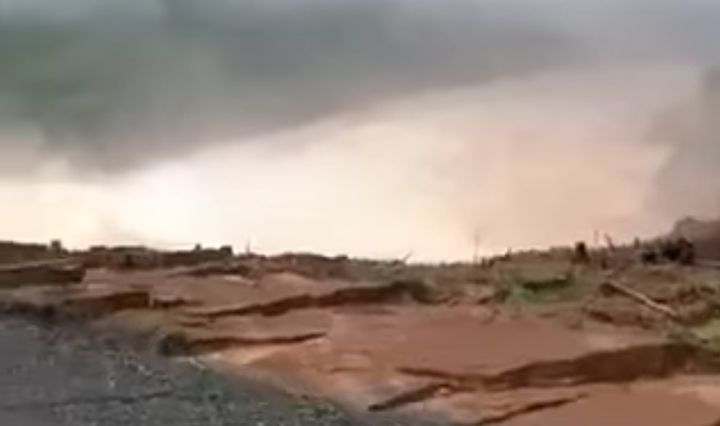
pixel 518 163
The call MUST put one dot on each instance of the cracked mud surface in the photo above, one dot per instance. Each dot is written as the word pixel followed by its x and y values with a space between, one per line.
pixel 61 377
pixel 377 349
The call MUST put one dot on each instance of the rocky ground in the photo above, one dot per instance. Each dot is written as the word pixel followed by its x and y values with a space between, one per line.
pixel 59 376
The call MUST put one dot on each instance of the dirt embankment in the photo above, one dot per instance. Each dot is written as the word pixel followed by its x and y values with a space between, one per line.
pixel 41 273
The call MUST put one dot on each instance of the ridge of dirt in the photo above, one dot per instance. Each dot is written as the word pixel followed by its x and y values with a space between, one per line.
pixel 617 366
pixel 181 344
pixel 529 408
pixel 78 304
pixel 415 395
pixel 351 296
pixel 58 272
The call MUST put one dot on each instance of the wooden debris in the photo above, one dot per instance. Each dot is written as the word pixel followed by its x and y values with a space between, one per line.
pixel 642 299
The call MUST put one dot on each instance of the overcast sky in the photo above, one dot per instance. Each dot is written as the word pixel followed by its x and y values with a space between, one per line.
pixel 425 117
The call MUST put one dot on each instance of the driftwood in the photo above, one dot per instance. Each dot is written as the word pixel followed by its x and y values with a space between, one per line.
pixel 643 299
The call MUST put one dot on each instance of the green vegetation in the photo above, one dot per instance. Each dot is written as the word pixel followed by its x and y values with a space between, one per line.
pixel 708 334
pixel 543 281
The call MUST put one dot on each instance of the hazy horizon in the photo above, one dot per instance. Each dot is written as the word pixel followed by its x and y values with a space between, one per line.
pixel 365 127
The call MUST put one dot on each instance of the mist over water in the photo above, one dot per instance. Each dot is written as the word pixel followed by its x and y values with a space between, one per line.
pixel 368 128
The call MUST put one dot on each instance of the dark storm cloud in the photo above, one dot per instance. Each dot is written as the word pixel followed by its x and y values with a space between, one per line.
pixel 113 85
pixel 116 87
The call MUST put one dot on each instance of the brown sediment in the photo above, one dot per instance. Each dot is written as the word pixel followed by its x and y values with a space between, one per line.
pixel 651 361
pixel 87 302
pixel 183 344
pixel 389 347
pixel 107 301
pixel 349 296
pixel 644 403
pixel 529 408
pixel 41 273
pixel 414 395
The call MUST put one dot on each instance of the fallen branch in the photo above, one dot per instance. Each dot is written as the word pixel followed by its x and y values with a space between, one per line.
pixel 643 299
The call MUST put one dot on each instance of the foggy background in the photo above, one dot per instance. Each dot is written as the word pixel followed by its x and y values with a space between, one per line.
pixel 368 127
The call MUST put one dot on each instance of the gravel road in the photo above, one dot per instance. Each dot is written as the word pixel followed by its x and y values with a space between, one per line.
pixel 61 377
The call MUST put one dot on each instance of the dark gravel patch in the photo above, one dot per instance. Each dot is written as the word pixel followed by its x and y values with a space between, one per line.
pixel 58 376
